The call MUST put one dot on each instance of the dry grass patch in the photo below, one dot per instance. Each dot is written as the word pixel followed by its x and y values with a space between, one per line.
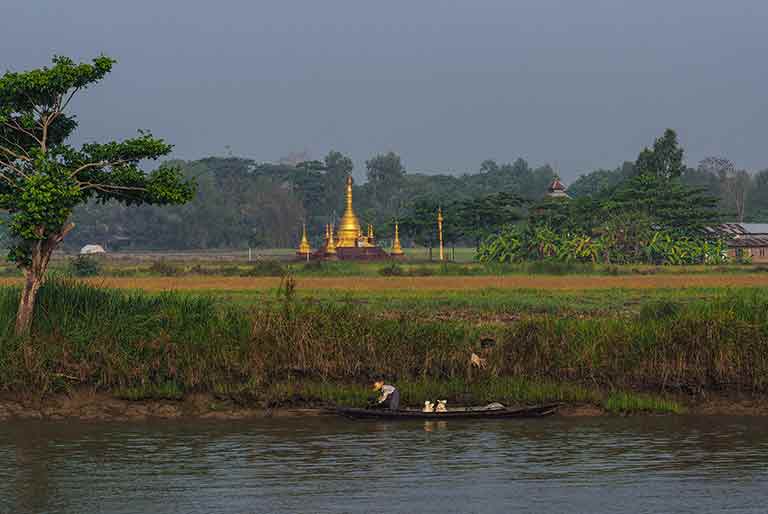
pixel 449 283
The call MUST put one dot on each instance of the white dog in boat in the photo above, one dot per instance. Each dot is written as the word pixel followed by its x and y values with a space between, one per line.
pixel 428 407
pixel 441 406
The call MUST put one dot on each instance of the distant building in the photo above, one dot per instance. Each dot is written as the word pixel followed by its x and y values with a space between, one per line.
pixel 557 189
pixel 92 250
pixel 745 239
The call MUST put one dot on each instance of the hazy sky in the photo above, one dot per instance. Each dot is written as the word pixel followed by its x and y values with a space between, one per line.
pixel 579 84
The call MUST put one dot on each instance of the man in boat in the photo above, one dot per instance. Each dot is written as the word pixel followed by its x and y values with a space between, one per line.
pixel 389 396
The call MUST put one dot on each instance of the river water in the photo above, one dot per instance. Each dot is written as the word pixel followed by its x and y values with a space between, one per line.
pixel 325 464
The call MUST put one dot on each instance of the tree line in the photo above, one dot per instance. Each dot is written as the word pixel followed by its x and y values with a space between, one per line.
pixel 241 202
pixel 644 212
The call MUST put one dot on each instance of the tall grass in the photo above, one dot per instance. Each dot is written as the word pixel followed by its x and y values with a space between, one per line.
pixel 135 343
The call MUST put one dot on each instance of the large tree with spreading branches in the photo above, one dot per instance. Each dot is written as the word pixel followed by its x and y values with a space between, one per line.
pixel 42 178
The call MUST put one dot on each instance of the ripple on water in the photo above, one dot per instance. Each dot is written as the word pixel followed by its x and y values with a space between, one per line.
pixel 333 465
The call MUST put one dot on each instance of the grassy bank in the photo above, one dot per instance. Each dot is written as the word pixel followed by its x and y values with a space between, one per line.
pixel 166 345
pixel 175 265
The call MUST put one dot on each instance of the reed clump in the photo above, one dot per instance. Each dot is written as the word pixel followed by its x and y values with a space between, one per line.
pixel 139 345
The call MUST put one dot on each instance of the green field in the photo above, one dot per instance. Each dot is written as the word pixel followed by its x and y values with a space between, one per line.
pixel 621 350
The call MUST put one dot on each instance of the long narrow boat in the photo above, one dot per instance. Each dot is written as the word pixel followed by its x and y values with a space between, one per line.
pixel 537 411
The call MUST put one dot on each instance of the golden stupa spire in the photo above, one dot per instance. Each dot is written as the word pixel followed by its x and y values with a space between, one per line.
pixel 304 248
pixel 397 250
pixel 349 226
pixel 330 247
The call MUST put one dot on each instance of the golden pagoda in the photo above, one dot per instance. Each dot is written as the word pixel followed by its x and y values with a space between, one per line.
pixel 304 248
pixel 349 226
pixel 349 241
pixel 330 245
pixel 397 250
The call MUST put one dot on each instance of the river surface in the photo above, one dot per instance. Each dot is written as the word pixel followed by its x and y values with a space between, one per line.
pixel 325 464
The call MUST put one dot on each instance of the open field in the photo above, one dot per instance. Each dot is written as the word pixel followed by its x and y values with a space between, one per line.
pixel 461 254
pixel 626 339
pixel 438 283
pixel 478 299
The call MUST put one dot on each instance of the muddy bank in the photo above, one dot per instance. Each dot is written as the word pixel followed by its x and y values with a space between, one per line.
pixel 92 406
pixel 87 405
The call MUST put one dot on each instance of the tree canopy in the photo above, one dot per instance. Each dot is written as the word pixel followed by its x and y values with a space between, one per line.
pixel 43 179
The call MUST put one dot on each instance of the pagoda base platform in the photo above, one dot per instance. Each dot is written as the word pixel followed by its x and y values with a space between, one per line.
pixel 373 253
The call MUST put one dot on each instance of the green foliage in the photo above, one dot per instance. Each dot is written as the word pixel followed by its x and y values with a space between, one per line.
pixel 44 179
pixel 163 346
pixel 626 402
pixel 618 243
pixel 85 266
pixel 659 309
pixel 667 202
pixel 385 176
pixel 664 161
pixel 267 268
pixel 165 269
pixel 649 217
pixel 392 270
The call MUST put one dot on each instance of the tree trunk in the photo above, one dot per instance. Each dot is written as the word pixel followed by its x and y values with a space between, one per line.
pixel 27 302
pixel 40 256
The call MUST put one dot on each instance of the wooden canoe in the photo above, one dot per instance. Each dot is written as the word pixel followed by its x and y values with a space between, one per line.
pixel 537 411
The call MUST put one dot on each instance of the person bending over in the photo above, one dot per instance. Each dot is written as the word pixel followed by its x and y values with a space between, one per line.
pixel 389 397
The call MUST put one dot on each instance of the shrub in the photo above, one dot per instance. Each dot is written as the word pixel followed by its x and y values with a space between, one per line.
pixel 85 266
pixel 551 267
pixel 166 269
pixel 392 270
pixel 659 310
pixel 264 269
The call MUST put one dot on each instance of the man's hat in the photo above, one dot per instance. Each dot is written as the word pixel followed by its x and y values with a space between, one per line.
pixel 487 342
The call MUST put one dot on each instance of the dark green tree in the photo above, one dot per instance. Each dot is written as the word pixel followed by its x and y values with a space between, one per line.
pixel 665 160
pixel 599 182
pixel 385 178
pixel 420 224
pixel 337 168
pixel 42 179
pixel 476 219
pixel 757 200
pixel 667 203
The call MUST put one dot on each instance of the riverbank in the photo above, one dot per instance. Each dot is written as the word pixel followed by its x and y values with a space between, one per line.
pixel 136 346
pixel 91 406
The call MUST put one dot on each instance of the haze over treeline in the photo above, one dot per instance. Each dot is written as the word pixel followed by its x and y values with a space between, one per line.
pixel 577 85
pixel 241 202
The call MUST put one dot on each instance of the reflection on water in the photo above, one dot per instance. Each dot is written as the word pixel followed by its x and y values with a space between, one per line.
pixel 653 464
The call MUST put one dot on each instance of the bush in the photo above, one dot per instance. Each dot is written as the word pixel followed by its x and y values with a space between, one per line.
pixel 85 266
pixel 550 267
pixel 264 269
pixel 165 269
pixel 392 270
pixel 659 310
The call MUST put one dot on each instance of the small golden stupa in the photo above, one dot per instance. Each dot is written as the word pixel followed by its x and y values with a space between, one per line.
pixel 304 249
pixel 330 245
pixel 397 250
